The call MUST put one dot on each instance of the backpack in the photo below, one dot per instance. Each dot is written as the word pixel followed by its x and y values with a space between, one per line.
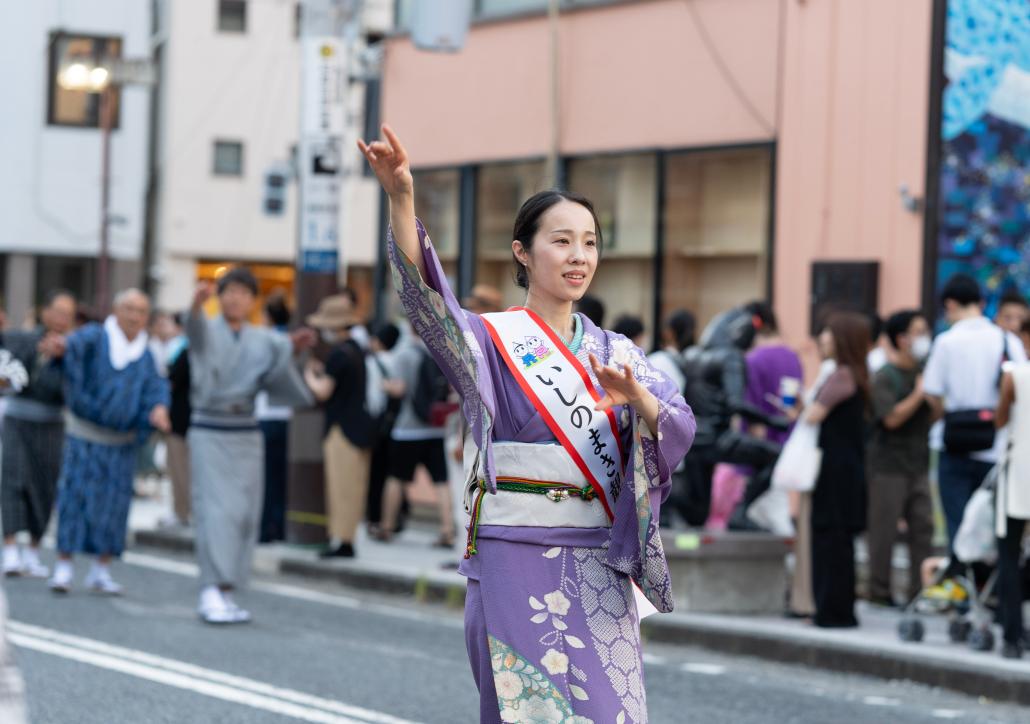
pixel 432 389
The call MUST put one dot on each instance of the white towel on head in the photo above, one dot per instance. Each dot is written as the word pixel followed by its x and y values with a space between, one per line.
pixel 123 352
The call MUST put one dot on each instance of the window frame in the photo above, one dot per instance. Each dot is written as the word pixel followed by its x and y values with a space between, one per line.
pixel 53 67
pixel 222 4
pixel 214 158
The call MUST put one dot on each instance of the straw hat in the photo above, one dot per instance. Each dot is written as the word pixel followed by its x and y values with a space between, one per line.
pixel 334 312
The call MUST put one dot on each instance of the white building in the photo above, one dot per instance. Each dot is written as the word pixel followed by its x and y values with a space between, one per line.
pixel 51 150
pixel 229 114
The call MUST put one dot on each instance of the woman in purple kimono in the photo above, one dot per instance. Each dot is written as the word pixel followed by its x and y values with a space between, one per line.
pixel 563 489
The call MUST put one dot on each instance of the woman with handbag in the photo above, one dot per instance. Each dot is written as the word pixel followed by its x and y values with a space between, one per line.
pixel 839 497
pixel 1013 501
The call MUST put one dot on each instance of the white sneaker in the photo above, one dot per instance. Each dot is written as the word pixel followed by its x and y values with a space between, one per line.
pixel 62 578
pixel 99 580
pixel 31 566
pixel 241 615
pixel 12 561
pixel 213 608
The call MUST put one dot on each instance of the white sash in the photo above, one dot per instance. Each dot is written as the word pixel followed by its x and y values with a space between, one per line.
pixel 560 389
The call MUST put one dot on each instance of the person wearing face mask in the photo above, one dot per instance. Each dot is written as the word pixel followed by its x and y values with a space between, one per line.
pixel 349 431
pixel 899 457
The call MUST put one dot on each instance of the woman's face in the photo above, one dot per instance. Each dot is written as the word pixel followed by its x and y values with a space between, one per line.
pixel 563 257
pixel 827 348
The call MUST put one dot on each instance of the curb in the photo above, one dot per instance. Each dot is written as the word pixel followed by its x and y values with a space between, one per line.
pixel 680 629
pixel 832 656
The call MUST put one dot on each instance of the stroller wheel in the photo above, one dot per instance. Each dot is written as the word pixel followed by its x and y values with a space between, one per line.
pixel 911 629
pixel 981 639
pixel 959 630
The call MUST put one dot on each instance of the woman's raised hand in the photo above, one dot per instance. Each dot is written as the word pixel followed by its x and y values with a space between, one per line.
pixel 389 161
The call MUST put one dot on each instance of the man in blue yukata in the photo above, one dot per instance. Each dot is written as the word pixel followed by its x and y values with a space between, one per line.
pixel 114 397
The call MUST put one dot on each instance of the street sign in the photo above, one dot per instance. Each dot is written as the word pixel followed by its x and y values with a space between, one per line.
pixel 322 118
pixel 323 109
pixel 132 71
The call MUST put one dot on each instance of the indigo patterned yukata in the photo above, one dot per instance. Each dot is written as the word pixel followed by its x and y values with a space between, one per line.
pixel 551 624
pixel 95 487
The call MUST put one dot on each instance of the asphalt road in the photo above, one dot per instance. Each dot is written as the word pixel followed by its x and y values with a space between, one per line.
pixel 332 655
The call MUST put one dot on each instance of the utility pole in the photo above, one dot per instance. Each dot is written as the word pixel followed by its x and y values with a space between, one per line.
pixel 323 116
pixel 103 299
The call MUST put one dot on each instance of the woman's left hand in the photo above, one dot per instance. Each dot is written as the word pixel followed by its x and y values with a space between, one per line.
pixel 620 386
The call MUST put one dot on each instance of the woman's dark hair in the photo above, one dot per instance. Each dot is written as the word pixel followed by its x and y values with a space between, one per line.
pixel 593 308
pixel 852 342
pixel 387 334
pixel 527 223
pixel 963 290
pixel 278 310
pixel 628 326
pixel 238 275
pixel 683 325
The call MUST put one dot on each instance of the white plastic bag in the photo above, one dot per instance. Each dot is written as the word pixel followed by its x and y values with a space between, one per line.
pixel 800 460
pixel 975 540
pixel 771 511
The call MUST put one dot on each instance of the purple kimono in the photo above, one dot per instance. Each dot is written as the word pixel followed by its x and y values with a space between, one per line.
pixel 550 619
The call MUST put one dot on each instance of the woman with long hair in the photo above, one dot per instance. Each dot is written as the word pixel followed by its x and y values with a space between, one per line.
pixel 573 437
pixel 839 497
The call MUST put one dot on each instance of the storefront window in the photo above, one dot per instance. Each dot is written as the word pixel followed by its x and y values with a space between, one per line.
pixel 716 222
pixel 622 189
pixel 437 195
pixel 500 191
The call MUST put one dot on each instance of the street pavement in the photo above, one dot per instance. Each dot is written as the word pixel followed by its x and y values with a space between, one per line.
pixel 322 653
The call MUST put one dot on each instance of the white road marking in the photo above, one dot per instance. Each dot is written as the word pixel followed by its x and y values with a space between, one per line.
pixel 948 713
pixel 183 675
pixel 191 570
pixel 880 701
pixel 653 660
pixel 706 669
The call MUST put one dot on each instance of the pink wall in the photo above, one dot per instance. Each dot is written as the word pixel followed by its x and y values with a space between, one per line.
pixel 855 98
pixel 636 75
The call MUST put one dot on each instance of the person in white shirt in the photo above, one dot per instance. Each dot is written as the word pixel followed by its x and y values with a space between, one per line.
pixel 963 373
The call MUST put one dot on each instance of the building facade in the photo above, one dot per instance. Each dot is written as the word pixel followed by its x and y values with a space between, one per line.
pixel 735 150
pixel 50 199
pixel 228 119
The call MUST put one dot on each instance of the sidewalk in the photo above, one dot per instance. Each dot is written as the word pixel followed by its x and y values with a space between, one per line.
pixel 410 566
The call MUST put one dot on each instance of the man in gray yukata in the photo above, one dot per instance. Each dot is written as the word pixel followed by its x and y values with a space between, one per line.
pixel 230 362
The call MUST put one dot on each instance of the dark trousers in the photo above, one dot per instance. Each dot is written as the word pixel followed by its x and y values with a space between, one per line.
pixel 1010 583
pixel 957 477
pixel 377 480
pixel 694 499
pixel 833 577
pixel 893 496
pixel 273 513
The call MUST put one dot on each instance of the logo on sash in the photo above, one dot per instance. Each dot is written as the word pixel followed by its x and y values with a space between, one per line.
pixel 531 351
pixel 561 391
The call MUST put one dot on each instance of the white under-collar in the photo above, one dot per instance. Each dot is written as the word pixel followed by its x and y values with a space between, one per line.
pixel 123 352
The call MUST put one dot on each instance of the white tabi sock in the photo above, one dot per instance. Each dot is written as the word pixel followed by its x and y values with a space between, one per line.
pixel 12 561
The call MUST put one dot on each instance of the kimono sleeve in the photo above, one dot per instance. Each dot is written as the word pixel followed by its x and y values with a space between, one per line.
pixel 454 337
pixel 79 351
pixel 156 391
pixel 282 382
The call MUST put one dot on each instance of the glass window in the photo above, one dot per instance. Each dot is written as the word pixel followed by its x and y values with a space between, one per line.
pixel 437 198
pixel 509 7
pixel 622 189
pixel 716 222
pixel 228 158
pixel 232 16
pixel 69 106
pixel 76 274
pixel 500 191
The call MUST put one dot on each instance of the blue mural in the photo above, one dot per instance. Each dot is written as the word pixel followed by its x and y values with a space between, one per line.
pixel 984 223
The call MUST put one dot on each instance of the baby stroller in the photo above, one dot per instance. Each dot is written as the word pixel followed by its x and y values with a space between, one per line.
pixel 956 595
